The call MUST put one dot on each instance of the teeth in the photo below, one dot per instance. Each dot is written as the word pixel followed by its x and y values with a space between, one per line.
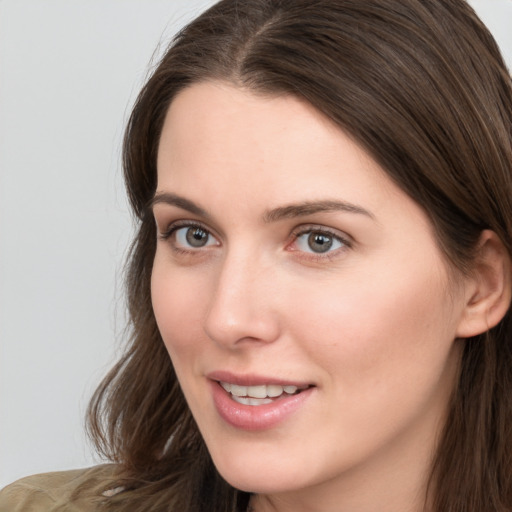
pixel 274 390
pixel 238 390
pixel 251 401
pixel 259 392
pixel 226 386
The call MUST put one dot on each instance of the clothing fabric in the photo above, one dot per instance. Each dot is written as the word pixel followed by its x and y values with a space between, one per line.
pixel 78 490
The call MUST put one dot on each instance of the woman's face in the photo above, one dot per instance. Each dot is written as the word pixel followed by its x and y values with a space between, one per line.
pixel 308 312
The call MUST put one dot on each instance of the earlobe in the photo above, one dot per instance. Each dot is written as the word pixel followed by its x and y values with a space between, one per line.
pixel 490 288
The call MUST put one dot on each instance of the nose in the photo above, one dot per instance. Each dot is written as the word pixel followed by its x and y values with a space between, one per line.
pixel 243 309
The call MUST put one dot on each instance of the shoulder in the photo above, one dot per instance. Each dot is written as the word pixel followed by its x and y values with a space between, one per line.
pixel 79 490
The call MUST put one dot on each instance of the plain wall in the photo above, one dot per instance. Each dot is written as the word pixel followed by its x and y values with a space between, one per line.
pixel 69 71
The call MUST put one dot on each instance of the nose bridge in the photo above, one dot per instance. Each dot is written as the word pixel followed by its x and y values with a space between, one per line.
pixel 241 306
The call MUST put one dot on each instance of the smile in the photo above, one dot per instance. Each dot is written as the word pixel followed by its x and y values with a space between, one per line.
pixel 259 395
pixel 252 403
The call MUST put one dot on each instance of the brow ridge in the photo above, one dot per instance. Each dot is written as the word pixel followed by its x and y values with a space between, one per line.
pixel 180 202
pixel 312 207
pixel 280 213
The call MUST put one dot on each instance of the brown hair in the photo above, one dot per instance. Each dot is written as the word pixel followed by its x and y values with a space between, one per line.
pixel 421 85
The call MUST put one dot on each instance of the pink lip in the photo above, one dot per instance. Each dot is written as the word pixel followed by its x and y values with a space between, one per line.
pixel 252 380
pixel 259 417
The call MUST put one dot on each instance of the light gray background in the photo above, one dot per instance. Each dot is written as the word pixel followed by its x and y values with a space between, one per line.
pixel 69 71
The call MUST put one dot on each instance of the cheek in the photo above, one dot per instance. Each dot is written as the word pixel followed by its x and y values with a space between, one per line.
pixel 376 331
pixel 180 300
pixel 386 355
pixel 178 305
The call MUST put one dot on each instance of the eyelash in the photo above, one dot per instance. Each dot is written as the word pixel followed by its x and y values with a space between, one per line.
pixel 174 227
pixel 345 242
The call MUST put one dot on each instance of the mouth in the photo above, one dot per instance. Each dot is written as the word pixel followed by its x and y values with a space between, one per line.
pixel 261 394
pixel 257 403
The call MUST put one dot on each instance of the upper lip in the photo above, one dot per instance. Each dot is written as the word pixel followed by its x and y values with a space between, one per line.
pixel 248 379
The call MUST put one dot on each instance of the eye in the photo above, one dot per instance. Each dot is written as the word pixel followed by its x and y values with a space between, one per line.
pixel 193 237
pixel 187 237
pixel 318 241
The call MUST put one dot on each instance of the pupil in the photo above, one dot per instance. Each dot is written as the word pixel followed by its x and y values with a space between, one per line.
pixel 197 237
pixel 319 242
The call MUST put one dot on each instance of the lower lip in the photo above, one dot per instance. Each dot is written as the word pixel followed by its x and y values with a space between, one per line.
pixel 256 417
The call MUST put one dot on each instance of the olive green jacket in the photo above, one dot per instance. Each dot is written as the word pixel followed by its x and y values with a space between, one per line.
pixel 81 490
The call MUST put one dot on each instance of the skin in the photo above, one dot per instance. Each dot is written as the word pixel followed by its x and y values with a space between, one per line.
pixel 372 323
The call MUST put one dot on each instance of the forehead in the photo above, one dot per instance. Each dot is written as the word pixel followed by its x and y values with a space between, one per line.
pixel 211 110
pixel 215 132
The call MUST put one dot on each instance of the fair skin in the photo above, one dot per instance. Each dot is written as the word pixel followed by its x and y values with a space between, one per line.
pixel 351 300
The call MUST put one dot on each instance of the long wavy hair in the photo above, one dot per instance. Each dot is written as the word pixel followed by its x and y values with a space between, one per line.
pixel 422 87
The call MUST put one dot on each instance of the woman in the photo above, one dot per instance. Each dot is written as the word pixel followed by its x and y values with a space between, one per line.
pixel 320 285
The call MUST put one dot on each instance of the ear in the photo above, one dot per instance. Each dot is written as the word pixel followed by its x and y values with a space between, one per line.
pixel 488 287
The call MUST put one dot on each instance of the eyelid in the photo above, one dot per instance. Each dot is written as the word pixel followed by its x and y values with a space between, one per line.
pixel 165 216
pixel 336 233
pixel 179 224
pixel 346 240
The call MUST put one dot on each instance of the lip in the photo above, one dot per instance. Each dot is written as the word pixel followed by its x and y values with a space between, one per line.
pixel 260 417
pixel 253 380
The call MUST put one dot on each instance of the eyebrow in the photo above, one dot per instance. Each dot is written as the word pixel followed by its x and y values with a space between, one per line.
pixel 283 212
pixel 311 207
pixel 180 202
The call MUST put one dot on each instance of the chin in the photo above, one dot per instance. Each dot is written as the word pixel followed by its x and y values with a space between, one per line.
pixel 270 483
pixel 257 473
